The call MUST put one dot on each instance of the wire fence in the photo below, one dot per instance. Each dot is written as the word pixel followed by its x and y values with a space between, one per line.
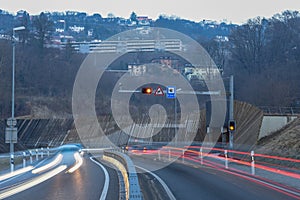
pixel 280 110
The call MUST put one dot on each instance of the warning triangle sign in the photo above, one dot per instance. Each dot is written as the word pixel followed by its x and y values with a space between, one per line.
pixel 159 92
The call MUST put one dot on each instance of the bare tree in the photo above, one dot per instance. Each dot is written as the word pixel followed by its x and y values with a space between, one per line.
pixel 248 43
pixel 43 28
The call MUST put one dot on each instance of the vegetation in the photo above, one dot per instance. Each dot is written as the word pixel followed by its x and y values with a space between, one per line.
pixel 263 54
pixel 265 59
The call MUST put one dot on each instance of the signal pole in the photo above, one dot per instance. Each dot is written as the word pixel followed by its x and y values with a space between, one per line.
pixel 231 117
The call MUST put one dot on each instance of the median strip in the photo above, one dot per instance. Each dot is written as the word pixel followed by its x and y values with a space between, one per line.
pixel 125 166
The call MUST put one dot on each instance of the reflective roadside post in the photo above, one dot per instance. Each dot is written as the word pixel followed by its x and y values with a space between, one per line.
pixel 37 154
pixel 30 154
pixel 24 159
pixel 226 159
pixel 42 152
pixel 252 163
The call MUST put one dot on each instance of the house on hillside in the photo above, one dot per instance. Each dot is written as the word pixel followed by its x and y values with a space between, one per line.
pixel 143 21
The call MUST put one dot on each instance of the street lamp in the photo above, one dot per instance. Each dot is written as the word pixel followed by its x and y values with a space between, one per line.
pixel 12 121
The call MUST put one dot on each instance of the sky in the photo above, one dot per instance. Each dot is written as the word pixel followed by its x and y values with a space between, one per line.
pixel 235 11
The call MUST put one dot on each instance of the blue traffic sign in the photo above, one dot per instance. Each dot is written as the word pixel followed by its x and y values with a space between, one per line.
pixel 171 92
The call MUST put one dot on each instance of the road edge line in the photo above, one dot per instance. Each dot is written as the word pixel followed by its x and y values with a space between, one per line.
pixel 106 183
pixel 164 185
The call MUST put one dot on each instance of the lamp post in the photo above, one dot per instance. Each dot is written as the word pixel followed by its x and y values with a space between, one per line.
pixel 13 121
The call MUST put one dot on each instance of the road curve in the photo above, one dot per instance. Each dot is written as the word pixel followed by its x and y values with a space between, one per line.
pixel 87 182
pixel 187 182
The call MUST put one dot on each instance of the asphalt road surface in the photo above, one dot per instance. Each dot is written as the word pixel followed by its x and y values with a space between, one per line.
pixel 188 182
pixel 85 183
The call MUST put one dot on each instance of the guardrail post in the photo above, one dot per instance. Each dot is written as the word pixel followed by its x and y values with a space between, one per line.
pixel 182 156
pixel 30 154
pixel 169 155
pixel 48 152
pixel 226 159
pixel 42 152
pixel 201 156
pixel 252 163
pixel 158 154
pixel 37 154
pixel 24 159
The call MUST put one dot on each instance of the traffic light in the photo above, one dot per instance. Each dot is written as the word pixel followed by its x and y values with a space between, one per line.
pixel 147 90
pixel 231 125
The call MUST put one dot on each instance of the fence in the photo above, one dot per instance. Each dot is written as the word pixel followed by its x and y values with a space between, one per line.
pixel 280 110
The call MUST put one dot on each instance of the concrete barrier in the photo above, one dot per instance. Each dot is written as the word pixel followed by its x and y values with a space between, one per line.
pixel 274 123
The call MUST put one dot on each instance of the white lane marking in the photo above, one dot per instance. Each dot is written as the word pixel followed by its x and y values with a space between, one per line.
pixel 11 191
pixel 106 183
pixel 166 188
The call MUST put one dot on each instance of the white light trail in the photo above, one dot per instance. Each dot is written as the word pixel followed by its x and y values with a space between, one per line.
pixel 11 191
pixel 79 162
pixel 15 173
pixel 55 162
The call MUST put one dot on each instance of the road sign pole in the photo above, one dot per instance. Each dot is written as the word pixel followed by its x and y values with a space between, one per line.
pixel 175 121
pixel 11 144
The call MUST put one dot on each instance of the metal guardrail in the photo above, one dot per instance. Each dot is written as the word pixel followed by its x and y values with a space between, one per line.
pixel 280 110
pixel 26 158
pixel 134 186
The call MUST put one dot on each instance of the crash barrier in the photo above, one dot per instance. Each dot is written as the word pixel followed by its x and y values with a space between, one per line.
pixel 127 168
pixel 27 157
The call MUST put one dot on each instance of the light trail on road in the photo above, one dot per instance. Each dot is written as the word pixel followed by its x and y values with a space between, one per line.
pixel 78 163
pixel 55 162
pixel 33 182
pixel 15 173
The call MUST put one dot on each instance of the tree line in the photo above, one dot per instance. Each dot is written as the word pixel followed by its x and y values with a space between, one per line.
pixel 265 58
pixel 262 54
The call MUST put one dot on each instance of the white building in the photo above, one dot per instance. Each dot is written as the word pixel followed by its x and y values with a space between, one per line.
pixel 201 73
pixel 129 46
pixel 137 70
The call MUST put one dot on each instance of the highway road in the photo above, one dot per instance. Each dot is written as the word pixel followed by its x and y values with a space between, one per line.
pixel 87 182
pixel 175 181
pixel 200 182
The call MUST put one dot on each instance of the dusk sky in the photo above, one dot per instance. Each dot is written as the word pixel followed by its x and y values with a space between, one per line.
pixel 236 11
